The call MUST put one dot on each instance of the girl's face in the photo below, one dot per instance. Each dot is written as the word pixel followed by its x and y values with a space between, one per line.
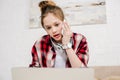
pixel 53 26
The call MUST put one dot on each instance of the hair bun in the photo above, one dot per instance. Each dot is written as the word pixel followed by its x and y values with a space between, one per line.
pixel 45 3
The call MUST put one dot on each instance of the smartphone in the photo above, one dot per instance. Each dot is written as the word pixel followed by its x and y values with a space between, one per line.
pixel 64 20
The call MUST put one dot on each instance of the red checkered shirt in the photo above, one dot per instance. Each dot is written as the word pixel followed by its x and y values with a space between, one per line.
pixel 44 55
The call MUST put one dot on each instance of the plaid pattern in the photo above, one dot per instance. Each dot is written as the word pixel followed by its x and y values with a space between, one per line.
pixel 43 52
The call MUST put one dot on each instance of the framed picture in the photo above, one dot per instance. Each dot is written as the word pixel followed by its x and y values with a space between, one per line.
pixel 77 12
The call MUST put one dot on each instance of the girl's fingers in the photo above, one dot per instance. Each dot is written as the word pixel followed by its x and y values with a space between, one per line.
pixel 63 27
pixel 66 26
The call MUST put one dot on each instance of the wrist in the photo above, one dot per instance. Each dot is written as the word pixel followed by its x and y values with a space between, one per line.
pixel 68 49
pixel 67 46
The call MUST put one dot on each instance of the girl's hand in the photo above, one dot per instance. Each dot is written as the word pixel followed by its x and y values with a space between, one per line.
pixel 67 33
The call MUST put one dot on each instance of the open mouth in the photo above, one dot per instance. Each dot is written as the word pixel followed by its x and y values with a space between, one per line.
pixel 56 35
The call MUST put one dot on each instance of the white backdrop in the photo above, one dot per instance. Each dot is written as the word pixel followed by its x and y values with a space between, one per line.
pixel 16 39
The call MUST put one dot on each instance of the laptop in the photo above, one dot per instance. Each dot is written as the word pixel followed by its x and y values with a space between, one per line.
pixel 24 73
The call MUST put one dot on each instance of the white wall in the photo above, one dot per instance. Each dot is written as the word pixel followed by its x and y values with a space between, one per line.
pixel 16 39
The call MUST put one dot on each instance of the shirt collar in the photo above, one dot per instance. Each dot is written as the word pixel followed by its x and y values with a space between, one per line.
pixel 55 44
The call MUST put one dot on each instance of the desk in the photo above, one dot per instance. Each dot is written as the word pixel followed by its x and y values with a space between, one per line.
pixel 107 72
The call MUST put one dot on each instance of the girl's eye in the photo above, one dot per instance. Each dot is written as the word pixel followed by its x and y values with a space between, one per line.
pixel 57 25
pixel 48 28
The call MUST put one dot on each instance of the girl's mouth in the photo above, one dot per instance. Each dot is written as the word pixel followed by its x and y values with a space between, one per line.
pixel 56 35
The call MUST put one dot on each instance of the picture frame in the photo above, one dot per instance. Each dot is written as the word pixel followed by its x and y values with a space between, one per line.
pixel 77 12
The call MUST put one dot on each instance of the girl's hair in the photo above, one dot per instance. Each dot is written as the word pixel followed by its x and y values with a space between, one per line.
pixel 50 7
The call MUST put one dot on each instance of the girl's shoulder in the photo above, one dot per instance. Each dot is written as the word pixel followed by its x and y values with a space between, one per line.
pixel 78 36
pixel 44 38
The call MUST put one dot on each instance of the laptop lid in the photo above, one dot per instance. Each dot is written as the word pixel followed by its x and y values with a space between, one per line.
pixel 52 73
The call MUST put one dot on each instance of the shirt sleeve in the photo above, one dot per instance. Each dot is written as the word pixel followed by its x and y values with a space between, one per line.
pixel 82 52
pixel 35 60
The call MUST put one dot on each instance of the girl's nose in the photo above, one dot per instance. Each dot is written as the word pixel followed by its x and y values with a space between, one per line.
pixel 54 30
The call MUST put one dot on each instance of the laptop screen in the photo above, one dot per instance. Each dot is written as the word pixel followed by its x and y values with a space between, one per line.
pixel 52 73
